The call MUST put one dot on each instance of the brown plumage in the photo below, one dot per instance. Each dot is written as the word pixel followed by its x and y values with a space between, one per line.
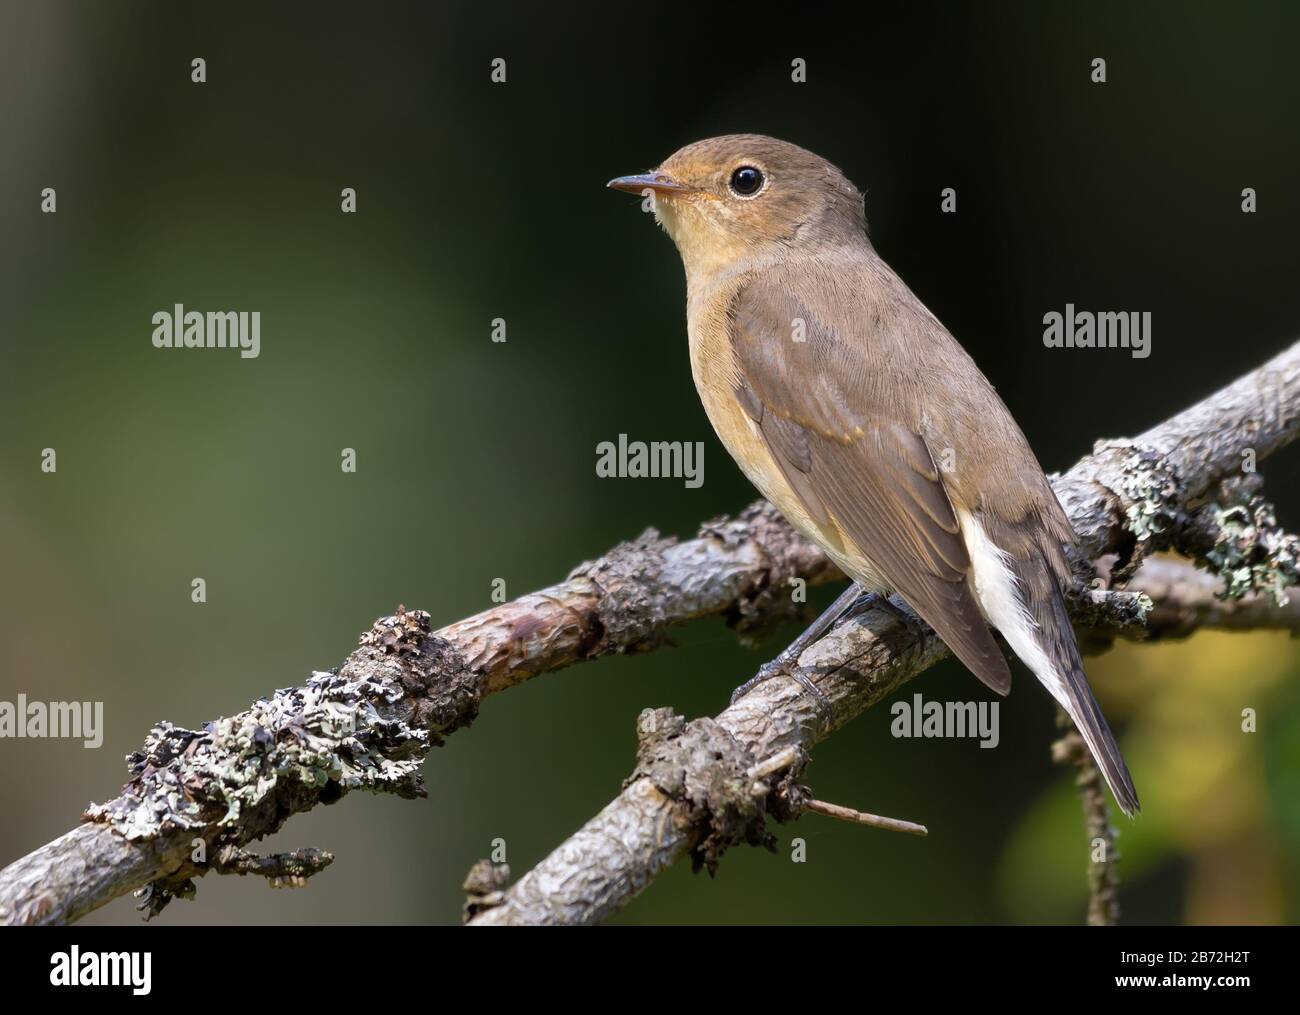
pixel 851 408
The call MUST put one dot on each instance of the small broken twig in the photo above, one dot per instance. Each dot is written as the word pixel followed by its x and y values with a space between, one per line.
pixel 862 818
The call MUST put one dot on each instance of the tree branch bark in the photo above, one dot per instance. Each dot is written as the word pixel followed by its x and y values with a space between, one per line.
pixel 369 723
pixel 687 795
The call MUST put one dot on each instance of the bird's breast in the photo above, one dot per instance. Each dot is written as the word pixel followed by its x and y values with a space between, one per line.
pixel 715 370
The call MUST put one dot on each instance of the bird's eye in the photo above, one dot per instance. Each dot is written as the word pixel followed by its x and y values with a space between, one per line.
pixel 746 181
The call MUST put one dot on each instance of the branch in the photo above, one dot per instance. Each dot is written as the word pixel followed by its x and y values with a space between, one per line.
pixel 369 723
pixel 1187 599
pixel 688 794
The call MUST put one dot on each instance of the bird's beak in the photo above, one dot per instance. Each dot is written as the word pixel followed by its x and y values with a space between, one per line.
pixel 657 183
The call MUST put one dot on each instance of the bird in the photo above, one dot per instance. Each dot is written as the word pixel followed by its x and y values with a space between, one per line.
pixel 852 409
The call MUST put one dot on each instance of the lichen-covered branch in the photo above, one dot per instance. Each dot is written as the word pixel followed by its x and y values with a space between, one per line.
pixel 1126 500
pixel 369 723
pixel 1126 497
pixel 1186 599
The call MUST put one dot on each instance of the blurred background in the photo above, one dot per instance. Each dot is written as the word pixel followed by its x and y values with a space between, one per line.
pixel 479 200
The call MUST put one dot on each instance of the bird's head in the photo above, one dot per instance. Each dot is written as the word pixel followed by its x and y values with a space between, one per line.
pixel 744 196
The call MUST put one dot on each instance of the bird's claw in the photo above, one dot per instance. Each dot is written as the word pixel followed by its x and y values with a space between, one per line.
pixel 780 667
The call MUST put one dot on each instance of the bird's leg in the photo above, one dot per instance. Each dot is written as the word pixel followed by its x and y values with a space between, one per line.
pixel 787 662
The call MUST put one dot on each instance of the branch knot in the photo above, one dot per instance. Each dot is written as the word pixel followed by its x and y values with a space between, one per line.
pixel 630 604
pixel 700 765
pixel 439 690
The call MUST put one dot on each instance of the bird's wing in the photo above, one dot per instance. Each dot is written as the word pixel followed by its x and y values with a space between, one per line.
pixel 818 404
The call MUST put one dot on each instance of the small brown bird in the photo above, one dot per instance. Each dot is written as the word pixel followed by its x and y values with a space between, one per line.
pixel 852 409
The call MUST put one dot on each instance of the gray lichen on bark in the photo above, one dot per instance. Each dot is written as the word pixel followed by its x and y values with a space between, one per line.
pixel 325 737
pixel 1234 533
pixel 1252 552
pixel 366 726
pixel 1149 492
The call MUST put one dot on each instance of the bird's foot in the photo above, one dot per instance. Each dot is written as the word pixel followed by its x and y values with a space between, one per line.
pixel 785 665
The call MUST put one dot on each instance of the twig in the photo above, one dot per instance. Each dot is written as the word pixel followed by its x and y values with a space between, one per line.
pixel 1103 857
pixel 1187 599
pixel 862 818
pixel 282 870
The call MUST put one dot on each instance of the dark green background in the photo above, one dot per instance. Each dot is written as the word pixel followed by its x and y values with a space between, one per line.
pixel 476 460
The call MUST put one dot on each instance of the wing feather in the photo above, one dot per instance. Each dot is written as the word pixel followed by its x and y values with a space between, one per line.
pixel 854 465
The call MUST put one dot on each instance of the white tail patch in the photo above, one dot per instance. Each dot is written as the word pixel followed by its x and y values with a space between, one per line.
pixel 998 592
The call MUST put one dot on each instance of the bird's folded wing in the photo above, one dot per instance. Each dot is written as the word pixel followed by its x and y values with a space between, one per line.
pixel 853 464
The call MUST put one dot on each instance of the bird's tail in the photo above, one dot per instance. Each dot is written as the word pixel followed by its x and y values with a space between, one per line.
pixel 1021 595
pixel 1069 686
